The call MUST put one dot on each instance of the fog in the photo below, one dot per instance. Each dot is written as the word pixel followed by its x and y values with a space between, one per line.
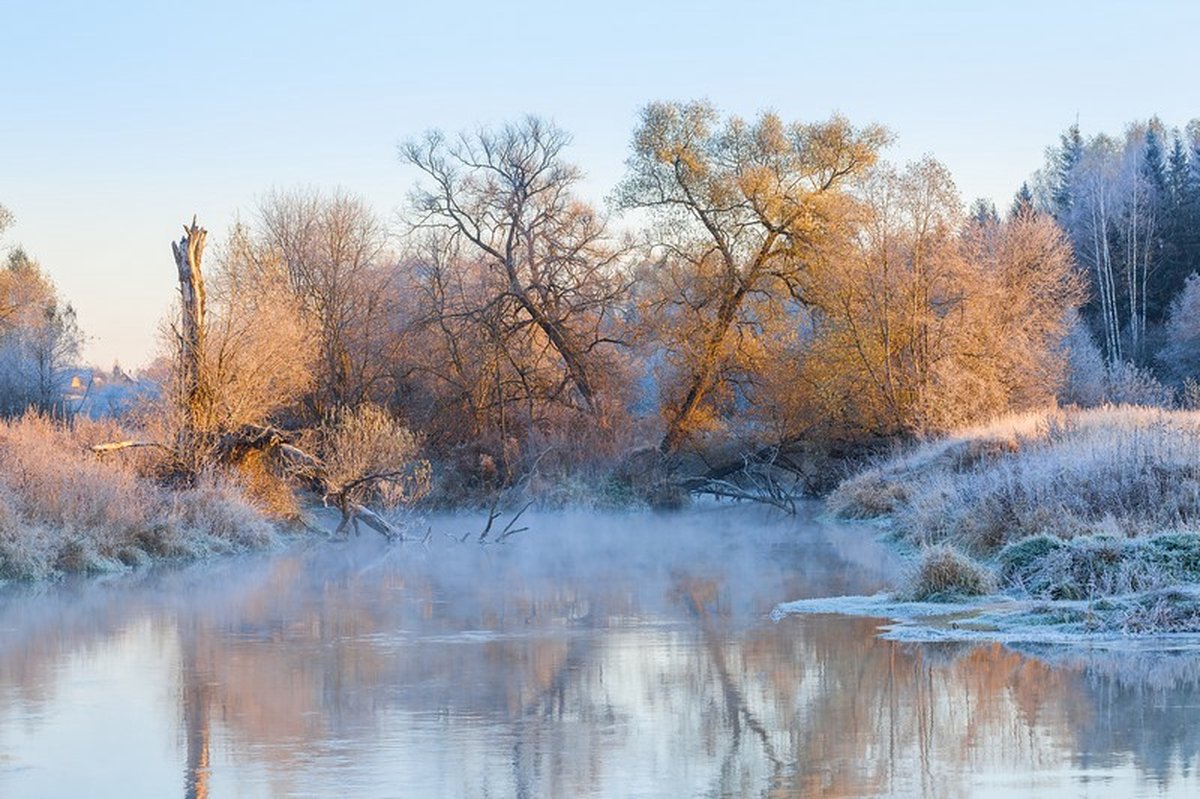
pixel 626 654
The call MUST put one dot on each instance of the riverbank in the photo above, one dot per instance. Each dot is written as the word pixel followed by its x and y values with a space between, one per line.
pixel 63 510
pixel 1059 505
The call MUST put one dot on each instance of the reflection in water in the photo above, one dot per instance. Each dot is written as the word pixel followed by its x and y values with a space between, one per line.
pixel 621 655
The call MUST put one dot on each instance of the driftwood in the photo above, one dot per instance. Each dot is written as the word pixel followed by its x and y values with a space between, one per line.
pixel 116 446
pixel 494 514
pixel 310 468
pixel 755 480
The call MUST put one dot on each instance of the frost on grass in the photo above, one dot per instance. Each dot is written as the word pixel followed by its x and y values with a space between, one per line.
pixel 1045 567
pixel 1100 506
pixel 64 511
pixel 1126 470
pixel 944 574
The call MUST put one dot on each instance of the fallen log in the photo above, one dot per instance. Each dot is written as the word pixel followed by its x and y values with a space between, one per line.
pixel 116 446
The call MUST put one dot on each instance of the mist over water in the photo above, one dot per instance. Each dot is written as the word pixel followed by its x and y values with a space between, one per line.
pixel 595 655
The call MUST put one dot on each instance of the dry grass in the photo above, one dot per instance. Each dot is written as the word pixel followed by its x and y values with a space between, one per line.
pixel 1066 504
pixel 945 574
pixel 1125 471
pixel 64 510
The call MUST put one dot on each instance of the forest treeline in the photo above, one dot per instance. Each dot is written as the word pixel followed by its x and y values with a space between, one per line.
pixel 755 291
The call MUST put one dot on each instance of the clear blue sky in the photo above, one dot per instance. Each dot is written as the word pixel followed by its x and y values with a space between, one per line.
pixel 118 120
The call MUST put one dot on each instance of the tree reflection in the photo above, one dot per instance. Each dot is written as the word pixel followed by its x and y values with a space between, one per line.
pixel 473 673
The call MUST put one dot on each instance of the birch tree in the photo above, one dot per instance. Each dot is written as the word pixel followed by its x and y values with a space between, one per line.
pixel 1092 221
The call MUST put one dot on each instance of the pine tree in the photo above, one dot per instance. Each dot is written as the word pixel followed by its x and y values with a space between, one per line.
pixel 1152 168
pixel 1155 208
pixel 1066 159
pixel 1022 205
pixel 1189 215
pixel 1179 213
pixel 1177 169
pixel 983 212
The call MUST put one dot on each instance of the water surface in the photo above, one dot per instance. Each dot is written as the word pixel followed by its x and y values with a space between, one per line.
pixel 619 655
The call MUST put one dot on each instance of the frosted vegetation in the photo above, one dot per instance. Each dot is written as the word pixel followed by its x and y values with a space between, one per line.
pixel 1058 505
pixel 766 305
pixel 64 511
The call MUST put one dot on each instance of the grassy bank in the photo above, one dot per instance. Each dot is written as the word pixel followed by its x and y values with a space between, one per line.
pixel 1062 504
pixel 63 510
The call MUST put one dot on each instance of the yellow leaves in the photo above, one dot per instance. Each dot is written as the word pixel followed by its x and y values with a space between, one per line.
pixel 924 328
pixel 834 149
pixel 770 136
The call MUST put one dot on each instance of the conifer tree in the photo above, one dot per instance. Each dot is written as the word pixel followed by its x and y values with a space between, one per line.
pixel 1152 223
pixel 983 212
pixel 1069 153
pixel 1022 205
pixel 1179 238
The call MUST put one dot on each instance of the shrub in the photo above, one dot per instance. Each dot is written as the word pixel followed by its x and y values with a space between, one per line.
pixel 944 574
pixel 367 440
pixel 64 509
pixel 869 495
pixel 1100 565
pixel 1170 610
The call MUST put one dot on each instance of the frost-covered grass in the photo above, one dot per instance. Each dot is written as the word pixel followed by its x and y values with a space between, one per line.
pixel 1123 471
pixel 1057 505
pixel 63 510
pixel 944 574
pixel 1046 567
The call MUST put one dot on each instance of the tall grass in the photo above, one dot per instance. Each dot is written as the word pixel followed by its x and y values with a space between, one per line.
pixel 64 510
pixel 1065 504
pixel 1123 471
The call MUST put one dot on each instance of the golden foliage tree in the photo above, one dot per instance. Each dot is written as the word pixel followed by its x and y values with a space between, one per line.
pixel 922 324
pixel 744 209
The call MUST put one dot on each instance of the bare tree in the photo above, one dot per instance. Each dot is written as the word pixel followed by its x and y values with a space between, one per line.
pixel 503 200
pixel 39 338
pixel 262 350
pixel 195 393
pixel 333 248
pixel 233 367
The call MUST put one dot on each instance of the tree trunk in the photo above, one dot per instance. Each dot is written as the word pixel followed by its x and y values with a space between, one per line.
pixel 188 253
pixel 702 376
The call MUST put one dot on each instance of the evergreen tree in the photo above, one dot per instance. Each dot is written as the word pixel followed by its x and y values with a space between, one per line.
pixel 1022 205
pixel 1177 170
pixel 1178 225
pixel 983 212
pixel 1153 169
pixel 1070 150
pixel 1188 217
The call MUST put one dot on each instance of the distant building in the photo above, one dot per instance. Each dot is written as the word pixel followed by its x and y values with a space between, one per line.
pixel 98 394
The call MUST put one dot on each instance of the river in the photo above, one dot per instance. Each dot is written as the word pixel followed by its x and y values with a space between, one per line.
pixel 593 655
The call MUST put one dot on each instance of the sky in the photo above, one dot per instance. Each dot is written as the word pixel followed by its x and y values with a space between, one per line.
pixel 119 120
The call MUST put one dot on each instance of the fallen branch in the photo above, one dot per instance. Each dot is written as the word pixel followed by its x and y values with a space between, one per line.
pixel 117 446
pixel 728 490
pixel 509 529
pixel 755 482
pixel 298 463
